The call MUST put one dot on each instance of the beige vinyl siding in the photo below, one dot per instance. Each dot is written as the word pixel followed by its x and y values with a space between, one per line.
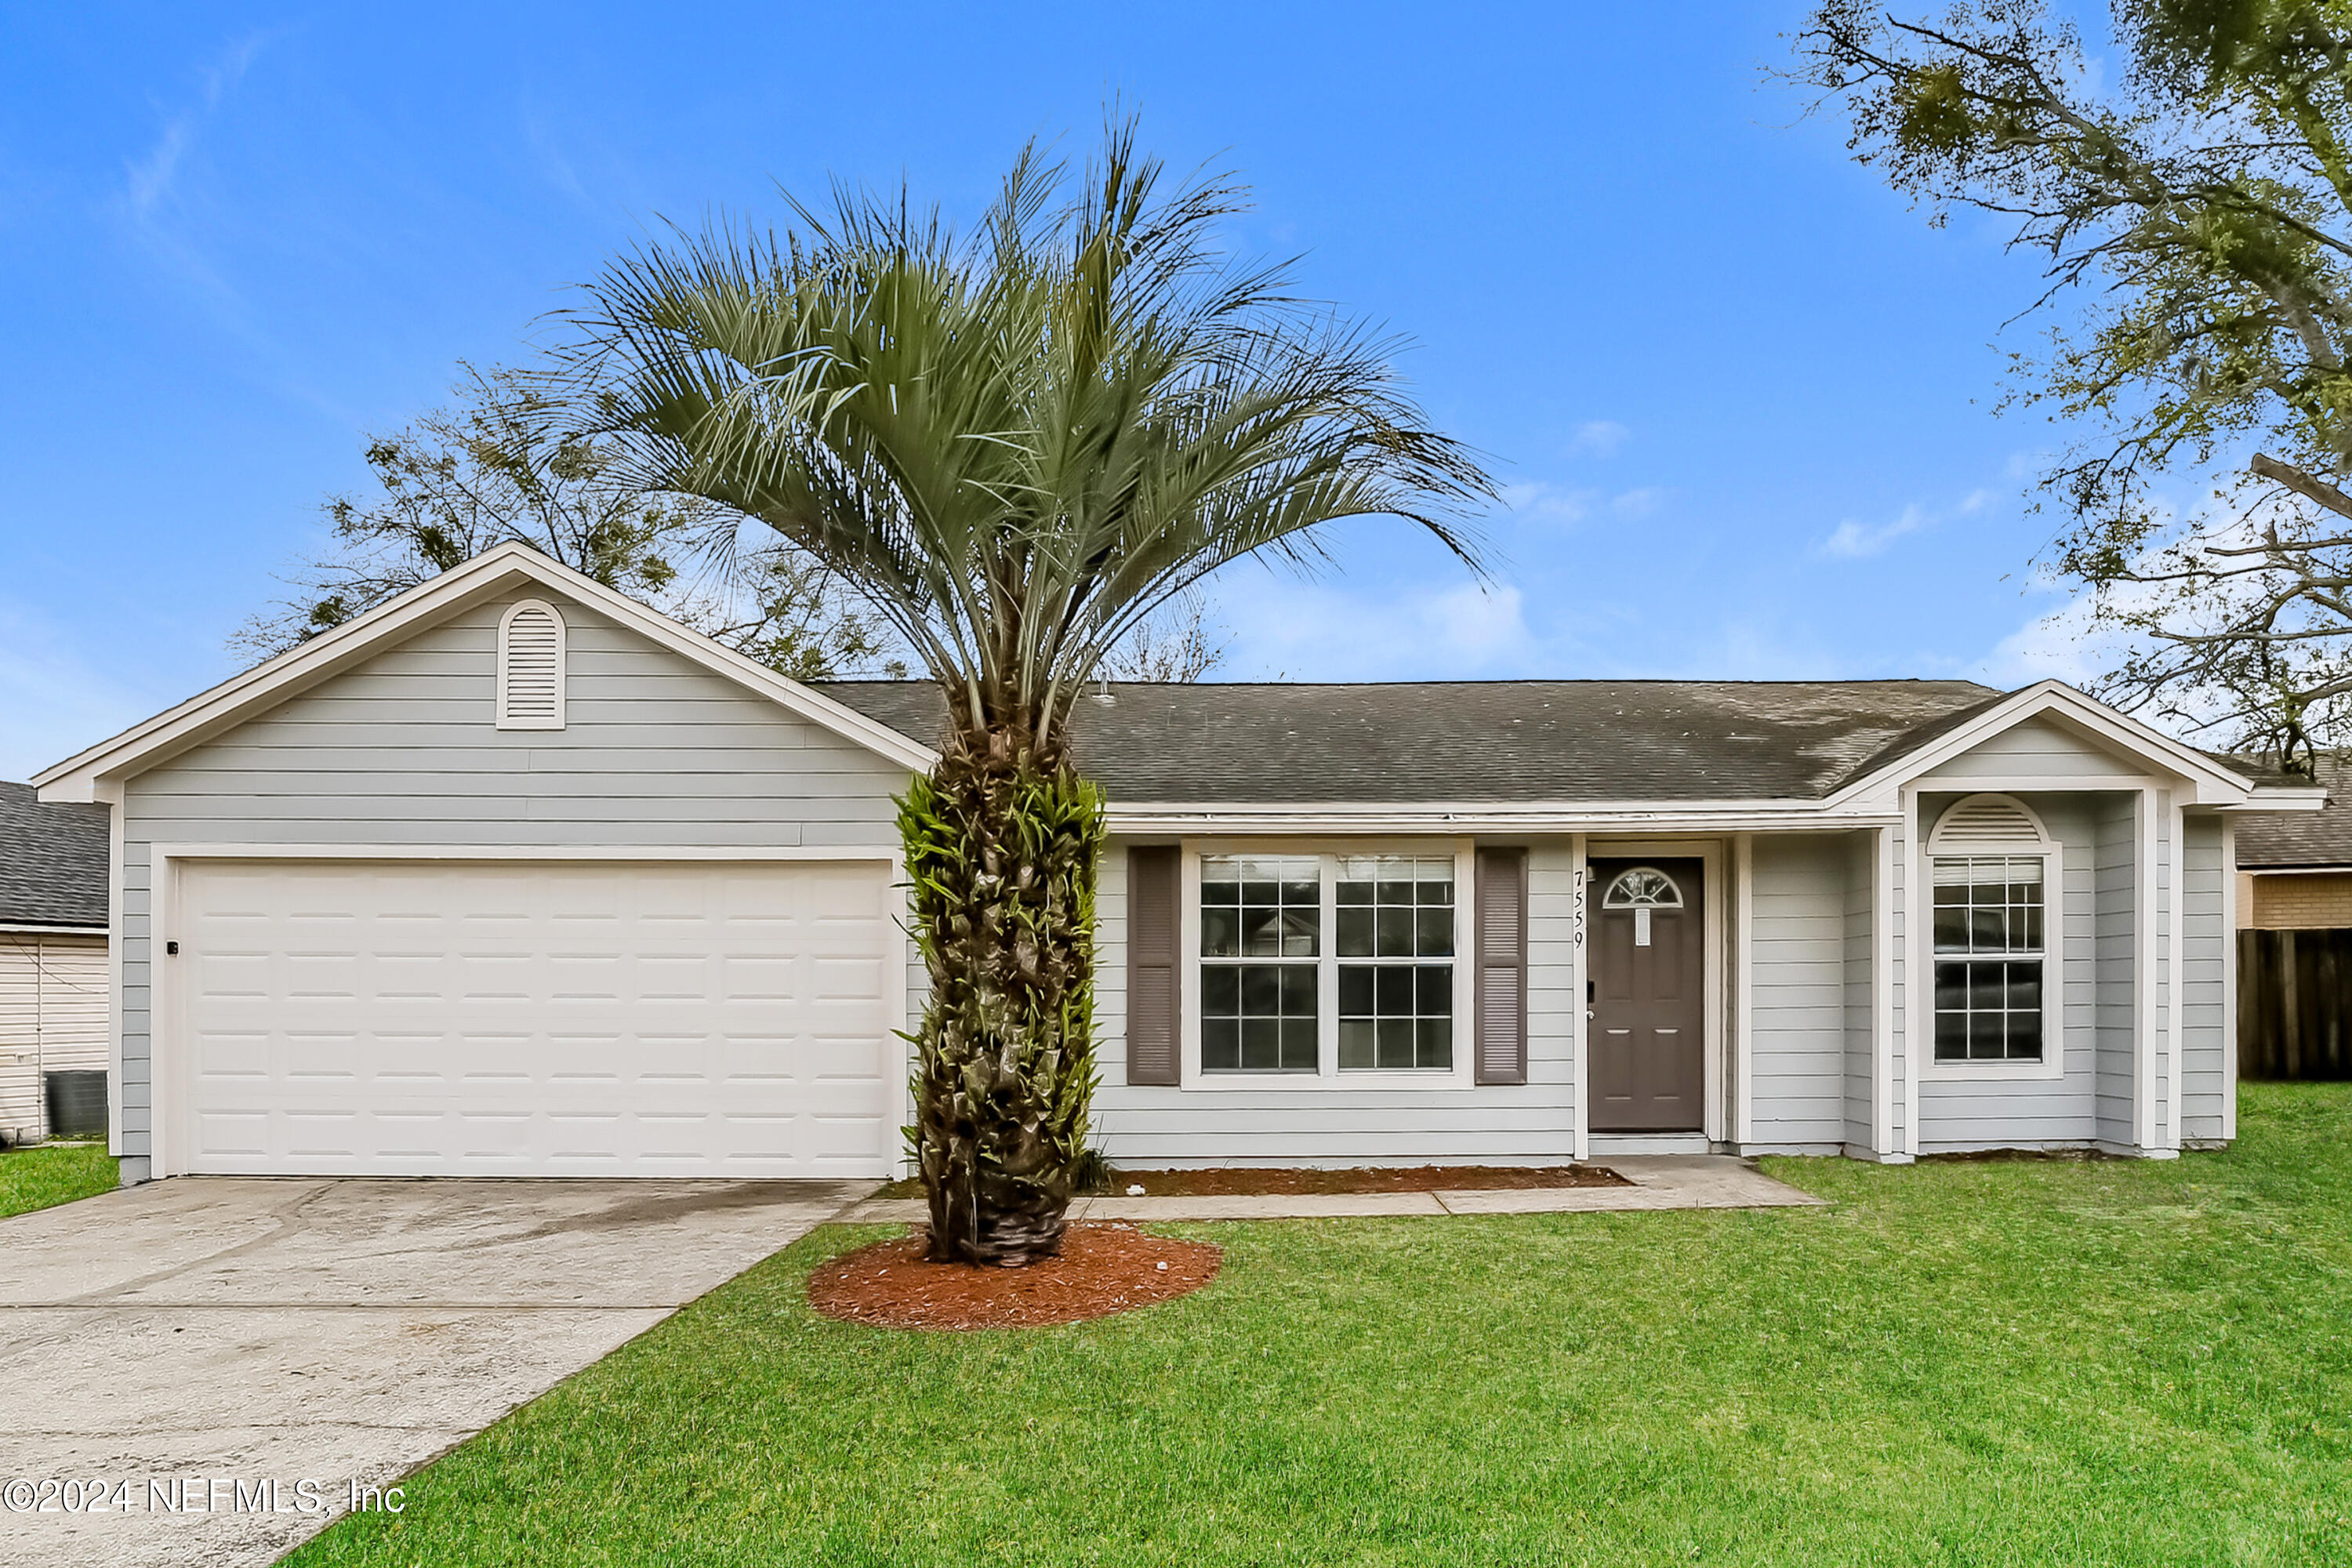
pixel 1861 1017
pixel 1797 1006
pixel 2204 1069
pixel 404 750
pixel 1963 1113
pixel 1333 1124
pixel 52 1018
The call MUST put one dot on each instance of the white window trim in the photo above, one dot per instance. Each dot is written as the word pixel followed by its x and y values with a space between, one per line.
pixel 563 671
pixel 1327 1074
pixel 2052 855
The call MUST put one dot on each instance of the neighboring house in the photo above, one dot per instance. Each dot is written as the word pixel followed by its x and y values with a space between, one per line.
pixel 55 994
pixel 514 875
pixel 2294 938
pixel 2295 869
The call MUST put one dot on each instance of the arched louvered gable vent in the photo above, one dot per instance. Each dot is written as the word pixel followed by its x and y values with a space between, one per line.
pixel 1987 821
pixel 530 668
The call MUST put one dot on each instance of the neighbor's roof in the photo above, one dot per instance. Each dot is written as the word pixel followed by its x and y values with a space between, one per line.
pixel 1500 741
pixel 2284 838
pixel 52 861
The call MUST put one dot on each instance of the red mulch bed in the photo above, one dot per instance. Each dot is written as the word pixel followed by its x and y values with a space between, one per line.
pixel 1238 1182
pixel 1101 1270
pixel 1234 1182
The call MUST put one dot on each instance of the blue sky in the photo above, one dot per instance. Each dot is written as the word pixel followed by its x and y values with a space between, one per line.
pixel 1739 395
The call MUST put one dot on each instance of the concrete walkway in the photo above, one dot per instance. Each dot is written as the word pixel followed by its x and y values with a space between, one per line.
pixel 1659 1181
pixel 209 1331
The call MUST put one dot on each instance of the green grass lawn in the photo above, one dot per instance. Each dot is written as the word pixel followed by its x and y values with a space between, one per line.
pixel 2030 1363
pixel 50 1173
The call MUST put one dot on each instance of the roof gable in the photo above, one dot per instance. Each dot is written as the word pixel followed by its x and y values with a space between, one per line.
pixel 487 576
pixel 2209 781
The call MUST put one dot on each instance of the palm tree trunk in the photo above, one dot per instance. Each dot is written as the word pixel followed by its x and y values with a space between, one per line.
pixel 1001 847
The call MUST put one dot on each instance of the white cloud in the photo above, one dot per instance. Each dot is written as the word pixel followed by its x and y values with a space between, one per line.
pixel 2060 644
pixel 1540 501
pixel 1320 631
pixel 1853 541
pixel 151 178
pixel 1473 623
pixel 1598 439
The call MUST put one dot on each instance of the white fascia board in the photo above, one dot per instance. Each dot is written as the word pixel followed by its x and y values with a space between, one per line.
pixel 1193 817
pixel 35 928
pixel 2280 797
pixel 2214 784
pixel 234 700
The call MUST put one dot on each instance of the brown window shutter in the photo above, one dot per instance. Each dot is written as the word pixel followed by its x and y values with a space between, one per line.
pixel 1152 990
pixel 1501 955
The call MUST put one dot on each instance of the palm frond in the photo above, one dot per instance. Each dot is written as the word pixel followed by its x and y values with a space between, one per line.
pixel 1019 443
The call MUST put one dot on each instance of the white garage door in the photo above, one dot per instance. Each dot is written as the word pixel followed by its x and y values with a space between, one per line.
pixel 535 1019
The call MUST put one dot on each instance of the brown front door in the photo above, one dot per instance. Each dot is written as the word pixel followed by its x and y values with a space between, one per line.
pixel 1649 1021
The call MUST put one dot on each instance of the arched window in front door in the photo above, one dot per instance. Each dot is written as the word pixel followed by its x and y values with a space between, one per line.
pixel 1642 889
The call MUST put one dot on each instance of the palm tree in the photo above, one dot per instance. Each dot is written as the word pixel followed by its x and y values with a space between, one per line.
pixel 1016 445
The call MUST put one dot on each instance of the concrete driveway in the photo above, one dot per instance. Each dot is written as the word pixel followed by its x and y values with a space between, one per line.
pixel 170 1341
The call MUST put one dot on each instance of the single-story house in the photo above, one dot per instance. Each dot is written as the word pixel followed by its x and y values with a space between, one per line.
pixel 515 874
pixel 55 990
pixel 2294 867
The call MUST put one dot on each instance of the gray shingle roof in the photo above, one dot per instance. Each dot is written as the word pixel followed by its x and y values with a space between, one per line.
pixel 1498 741
pixel 2321 837
pixel 52 861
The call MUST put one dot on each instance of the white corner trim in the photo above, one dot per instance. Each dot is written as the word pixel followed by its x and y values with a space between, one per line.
pixel 2145 936
pixel 2176 1033
pixel 494 571
pixel 1918 968
pixel 111 795
pixel 1743 988
pixel 2228 978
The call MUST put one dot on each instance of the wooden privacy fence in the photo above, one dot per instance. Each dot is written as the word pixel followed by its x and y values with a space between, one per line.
pixel 2294 1004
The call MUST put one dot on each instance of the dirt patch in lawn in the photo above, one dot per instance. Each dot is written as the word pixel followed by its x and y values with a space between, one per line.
pixel 1101 1270
pixel 1238 1182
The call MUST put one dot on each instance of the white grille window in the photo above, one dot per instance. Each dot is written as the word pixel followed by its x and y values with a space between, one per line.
pixel 530 668
pixel 1990 926
pixel 1992 867
pixel 1323 964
